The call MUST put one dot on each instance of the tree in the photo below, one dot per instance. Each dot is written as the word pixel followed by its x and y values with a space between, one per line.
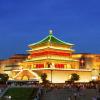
pixel 44 78
pixel 74 77
pixel 3 78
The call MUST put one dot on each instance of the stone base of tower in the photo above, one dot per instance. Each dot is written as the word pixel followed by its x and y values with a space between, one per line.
pixel 60 76
pixel 53 75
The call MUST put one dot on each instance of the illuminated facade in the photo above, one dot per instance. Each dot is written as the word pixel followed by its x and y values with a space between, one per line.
pixel 57 59
pixel 7 65
pixel 89 61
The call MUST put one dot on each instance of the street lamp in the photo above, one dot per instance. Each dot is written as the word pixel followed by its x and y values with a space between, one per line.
pixel 9 97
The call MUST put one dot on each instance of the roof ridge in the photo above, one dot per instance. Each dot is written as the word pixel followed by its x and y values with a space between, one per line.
pixel 62 41
pixel 39 41
pixel 51 38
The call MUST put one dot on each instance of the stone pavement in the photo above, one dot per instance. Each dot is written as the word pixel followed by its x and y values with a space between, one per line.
pixel 57 94
pixel 63 94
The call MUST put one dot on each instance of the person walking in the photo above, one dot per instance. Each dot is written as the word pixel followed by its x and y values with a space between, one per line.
pixel 69 98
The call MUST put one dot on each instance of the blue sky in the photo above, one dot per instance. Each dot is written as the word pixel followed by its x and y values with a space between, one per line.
pixel 23 22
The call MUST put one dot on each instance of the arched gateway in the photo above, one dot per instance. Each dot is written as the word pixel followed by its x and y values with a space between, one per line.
pixel 25 75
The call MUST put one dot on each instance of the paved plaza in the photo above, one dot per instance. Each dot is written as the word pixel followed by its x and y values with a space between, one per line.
pixel 64 94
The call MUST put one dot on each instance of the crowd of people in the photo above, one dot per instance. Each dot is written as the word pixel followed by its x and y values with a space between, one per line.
pixel 77 89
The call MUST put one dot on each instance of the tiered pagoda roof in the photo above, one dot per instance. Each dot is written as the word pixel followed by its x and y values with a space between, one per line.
pixel 50 48
pixel 52 40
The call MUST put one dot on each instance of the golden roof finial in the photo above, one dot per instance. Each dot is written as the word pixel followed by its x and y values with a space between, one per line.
pixel 50 32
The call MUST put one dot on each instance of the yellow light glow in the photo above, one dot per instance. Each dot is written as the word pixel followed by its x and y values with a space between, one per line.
pixel 94 77
pixel 52 57
pixel 52 47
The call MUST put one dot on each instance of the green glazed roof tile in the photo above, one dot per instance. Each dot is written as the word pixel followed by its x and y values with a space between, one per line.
pixel 50 39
